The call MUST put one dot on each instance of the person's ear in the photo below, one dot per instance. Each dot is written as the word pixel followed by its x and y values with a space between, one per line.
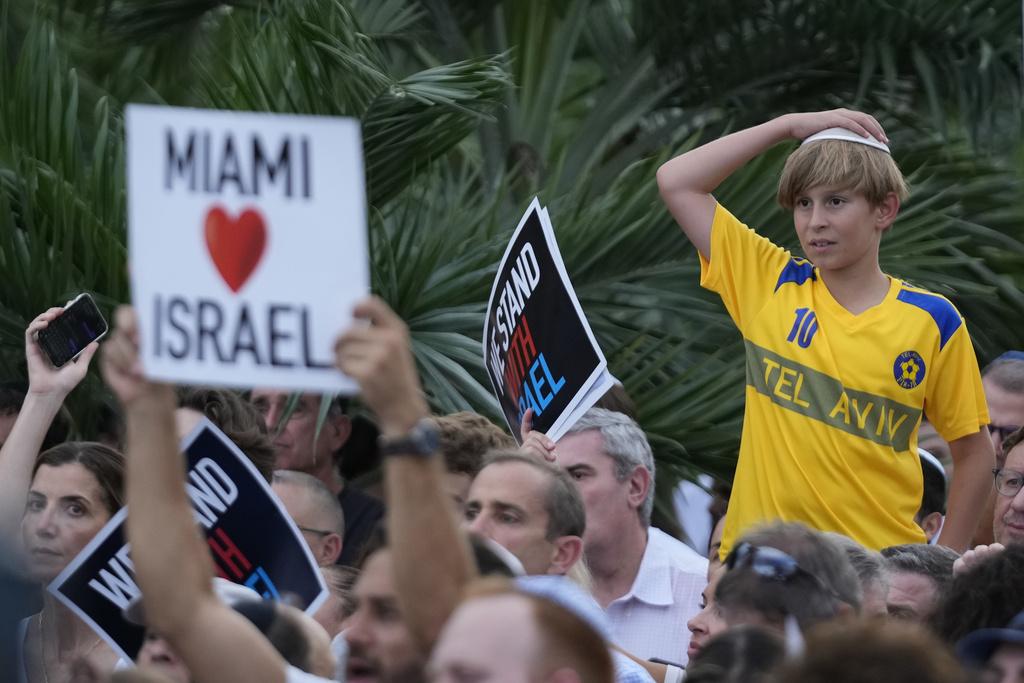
pixel 568 550
pixel 639 484
pixel 846 611
pixel 932 525
pixel 563 675
pixel 337 430
pixel 885 212
pixel 330 549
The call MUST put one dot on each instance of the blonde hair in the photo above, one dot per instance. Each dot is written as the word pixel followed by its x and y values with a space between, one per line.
pixel 841 165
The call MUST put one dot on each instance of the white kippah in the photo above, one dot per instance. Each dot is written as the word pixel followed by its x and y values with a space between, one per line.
pixel 849 136
pixel 931 460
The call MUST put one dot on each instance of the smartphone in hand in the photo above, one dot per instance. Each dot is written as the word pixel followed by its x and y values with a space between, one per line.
pixel 67 335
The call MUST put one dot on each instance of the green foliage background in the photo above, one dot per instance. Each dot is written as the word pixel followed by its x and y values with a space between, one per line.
pixel 469 109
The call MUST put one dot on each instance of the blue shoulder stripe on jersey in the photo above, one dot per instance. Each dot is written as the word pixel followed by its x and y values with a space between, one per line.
pixel 797 272
pixel 941 311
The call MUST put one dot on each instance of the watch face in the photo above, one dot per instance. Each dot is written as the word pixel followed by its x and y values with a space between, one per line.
pixel 422 440
pixel 425 435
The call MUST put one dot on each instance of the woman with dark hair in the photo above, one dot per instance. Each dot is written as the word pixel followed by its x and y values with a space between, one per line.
pixel 52 504
pixel 742 654
pixel 987 595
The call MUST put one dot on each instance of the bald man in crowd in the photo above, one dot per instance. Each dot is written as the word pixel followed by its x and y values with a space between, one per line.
pixel 315 510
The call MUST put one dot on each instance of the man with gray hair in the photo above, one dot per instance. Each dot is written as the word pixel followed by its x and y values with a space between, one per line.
pixel 648 582
pixel 785 570
pixel 919 575
pixel 315 510
pixel 871 572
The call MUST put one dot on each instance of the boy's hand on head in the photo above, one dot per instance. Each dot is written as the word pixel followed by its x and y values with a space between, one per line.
pixel 535 443
pixel 43 378
pixel 968 560
pixel 379 357
pixel 122 369
pixel 806 124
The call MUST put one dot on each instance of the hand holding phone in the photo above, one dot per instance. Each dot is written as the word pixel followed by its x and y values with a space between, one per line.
pixel 67 335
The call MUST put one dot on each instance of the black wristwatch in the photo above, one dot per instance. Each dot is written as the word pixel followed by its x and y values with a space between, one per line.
pixel 422 441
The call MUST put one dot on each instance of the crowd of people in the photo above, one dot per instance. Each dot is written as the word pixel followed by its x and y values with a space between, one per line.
pixel 839 557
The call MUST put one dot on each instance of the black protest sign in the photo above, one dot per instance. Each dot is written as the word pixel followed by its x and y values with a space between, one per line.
pixel 538 348
pixel 251 539
pixel 99 583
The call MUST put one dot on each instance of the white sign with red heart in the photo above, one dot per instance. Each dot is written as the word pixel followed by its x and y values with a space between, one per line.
pixel 247 244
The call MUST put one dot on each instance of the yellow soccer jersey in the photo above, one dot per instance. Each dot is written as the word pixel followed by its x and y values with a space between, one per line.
pixel 834 400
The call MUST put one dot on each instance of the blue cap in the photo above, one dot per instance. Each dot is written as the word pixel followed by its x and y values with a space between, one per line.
pixel 976 647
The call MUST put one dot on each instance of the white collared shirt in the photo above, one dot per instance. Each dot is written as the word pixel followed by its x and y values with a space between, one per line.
pixel 650 620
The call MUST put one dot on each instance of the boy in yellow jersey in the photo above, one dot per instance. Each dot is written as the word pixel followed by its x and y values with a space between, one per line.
pixel 842 360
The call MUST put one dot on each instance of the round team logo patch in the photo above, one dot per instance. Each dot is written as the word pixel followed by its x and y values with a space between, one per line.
pixel 908 369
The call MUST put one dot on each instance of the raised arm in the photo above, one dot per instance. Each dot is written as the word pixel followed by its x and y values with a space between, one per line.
pixel 431 557
pixel 172 563
pixel 687 181
pixel 47 389
pixel 973 460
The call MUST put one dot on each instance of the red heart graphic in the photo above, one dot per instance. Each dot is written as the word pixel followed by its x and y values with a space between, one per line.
pixel 235 245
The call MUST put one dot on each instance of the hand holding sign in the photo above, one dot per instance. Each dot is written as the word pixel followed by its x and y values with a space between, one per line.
pixel 535 443
pixel 122 368
pixel 379 358
pixel 224 209
pixel 539 351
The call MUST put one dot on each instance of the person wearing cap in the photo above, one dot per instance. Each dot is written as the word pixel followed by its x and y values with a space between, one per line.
pixel 998 652
pixel 932 513
pixel 842 359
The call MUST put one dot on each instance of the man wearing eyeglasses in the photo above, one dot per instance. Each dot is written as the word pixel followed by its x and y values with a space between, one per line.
pixel 1008 526
pixel 315 510
pixel 1003 380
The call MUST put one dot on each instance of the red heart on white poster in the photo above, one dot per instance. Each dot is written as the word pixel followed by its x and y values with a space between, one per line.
pixel 235 244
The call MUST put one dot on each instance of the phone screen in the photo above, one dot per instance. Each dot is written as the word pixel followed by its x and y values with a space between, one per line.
pixel 69 333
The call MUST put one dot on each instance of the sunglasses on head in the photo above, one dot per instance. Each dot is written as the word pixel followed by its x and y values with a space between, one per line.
pixel 771 563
